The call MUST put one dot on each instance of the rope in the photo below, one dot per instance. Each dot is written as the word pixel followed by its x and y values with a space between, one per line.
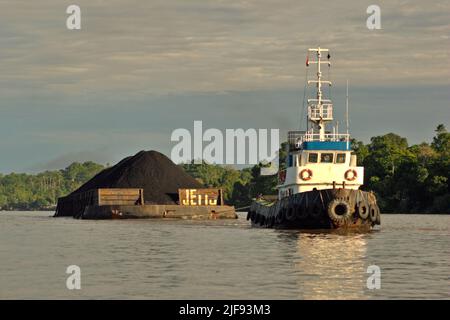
pixel 242 208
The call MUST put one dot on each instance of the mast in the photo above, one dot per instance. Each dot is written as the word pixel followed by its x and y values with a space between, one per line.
pixel 320 110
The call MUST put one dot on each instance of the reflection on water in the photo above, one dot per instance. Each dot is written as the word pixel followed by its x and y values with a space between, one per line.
pixel 154 259
pixel 330 265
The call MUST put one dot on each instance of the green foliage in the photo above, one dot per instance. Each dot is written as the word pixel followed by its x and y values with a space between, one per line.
pixel 361 151
pixel 408 178
pixel 41 191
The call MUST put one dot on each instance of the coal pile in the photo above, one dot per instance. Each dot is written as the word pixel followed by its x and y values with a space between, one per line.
pixel 150 170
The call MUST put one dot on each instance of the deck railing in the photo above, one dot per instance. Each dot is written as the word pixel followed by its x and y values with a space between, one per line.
pixel 296 138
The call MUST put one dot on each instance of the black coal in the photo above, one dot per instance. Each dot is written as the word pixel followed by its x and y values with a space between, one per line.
pixel 154 172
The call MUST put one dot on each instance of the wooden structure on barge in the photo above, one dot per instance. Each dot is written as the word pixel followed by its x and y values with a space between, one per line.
pixel 129 203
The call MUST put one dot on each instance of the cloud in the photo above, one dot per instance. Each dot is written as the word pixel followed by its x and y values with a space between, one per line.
pixel 138 69
pixel 159 47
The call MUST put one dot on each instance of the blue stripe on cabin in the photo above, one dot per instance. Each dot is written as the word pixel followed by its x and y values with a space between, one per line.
pixel 290 161
pixel 326 145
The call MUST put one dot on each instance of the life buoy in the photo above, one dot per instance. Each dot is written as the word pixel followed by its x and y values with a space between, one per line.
pixel 363 210
pixel 351 175
pixel 339 212
pixel 305 174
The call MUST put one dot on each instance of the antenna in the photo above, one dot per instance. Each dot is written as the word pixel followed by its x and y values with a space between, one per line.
pixel 346 109
pixel 346 117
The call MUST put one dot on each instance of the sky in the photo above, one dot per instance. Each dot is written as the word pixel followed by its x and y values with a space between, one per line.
pixel 137 70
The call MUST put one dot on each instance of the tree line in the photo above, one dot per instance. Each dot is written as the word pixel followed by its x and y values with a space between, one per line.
pixel 406 179
pixel 20 191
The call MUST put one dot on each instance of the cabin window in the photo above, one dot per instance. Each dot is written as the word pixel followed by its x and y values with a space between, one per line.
pixel 326 157
pixel 312 157
pixel 340 158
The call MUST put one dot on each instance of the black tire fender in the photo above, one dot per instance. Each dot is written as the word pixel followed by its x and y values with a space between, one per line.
pixel 302 213
pixel 315 210
pixel 335 216
pixel 290 213
pixel 378 220
pixel 262 220
pixel 373 212
pixel 363 210
pixel 280 216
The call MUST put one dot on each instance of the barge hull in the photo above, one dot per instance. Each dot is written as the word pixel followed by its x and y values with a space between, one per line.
pixel 128 203
pixel 149 211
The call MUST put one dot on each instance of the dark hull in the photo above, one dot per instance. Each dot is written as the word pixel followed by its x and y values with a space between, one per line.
pixel 318 209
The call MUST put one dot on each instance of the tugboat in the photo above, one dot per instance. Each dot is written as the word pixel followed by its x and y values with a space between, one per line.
pixel 320 187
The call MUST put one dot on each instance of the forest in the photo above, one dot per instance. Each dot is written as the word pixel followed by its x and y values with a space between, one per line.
pixel 406 178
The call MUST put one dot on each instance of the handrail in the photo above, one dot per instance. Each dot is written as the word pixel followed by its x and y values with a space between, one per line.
pixel 327 137
pixel 298 137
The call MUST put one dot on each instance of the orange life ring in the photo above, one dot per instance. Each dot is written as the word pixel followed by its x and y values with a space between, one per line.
pixel 308 174
pixel 353 176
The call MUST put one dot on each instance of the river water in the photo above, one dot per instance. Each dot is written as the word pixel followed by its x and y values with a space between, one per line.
pixel 227 259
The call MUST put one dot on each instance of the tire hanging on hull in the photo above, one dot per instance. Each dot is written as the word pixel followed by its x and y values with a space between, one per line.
pixel 290 214
pixel 374 213
pixel 339 212
pixel 363 210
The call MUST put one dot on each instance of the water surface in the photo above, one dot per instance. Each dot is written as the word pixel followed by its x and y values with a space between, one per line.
pixel 227 259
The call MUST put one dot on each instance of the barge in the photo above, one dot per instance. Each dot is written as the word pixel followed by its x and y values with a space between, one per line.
pixel 129 203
